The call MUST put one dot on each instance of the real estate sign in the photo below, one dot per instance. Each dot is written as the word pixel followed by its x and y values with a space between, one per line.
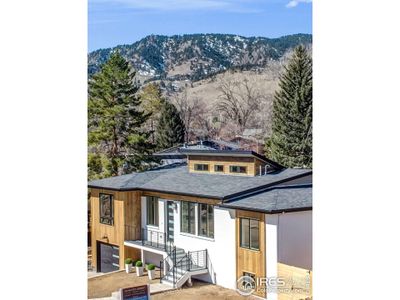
pixel 141 292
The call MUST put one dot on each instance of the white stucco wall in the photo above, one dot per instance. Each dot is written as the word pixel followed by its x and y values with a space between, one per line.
pixel 295 239
pixel 221 249
pixel 289 240
pixel 271 250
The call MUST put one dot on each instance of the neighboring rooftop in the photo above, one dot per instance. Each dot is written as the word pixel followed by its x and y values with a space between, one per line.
pixel 177 179
pixel 176 151
pixel 275 199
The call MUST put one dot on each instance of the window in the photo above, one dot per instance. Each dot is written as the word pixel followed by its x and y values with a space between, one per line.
pixel 206 220
pixel 152 211
pixel 200 167
pixel 250 280
pixel 106 209
pixel 218 168
pixel 237 169
pixel 188 215
pixel 249 234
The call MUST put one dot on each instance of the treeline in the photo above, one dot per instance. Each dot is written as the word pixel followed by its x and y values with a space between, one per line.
pixel 124 126
pixel 127 124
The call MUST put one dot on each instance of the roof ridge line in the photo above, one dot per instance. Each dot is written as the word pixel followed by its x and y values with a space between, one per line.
pixel 260 189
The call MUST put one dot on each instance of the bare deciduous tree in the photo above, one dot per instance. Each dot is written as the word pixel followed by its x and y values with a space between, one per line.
pixel 189 109
pixel 239 100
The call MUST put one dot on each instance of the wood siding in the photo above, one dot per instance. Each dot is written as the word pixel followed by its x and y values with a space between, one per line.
pixel 300 281
pixel 181 197
pixel 257 164
pixel 251 164
pixel 127 222
pixel 248 260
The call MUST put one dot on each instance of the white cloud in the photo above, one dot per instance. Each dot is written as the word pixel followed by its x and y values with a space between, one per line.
pixel 294 3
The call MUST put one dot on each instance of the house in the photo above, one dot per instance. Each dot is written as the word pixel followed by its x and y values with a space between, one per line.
pixel 218 216
pixel 175 154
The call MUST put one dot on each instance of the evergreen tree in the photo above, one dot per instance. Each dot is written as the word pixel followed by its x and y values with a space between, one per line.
pixel 291 140
pixel 151 98
pixel 170 129
pixel 117 142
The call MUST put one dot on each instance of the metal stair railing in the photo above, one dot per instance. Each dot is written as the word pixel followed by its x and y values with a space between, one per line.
pixel 165 267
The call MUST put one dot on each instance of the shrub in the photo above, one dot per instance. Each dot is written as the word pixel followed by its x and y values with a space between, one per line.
pixel 139 263
pixel 128 261
pixel 150 267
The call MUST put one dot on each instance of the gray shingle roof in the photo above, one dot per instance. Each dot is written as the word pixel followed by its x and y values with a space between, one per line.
pixel 177 179
pixel 276 200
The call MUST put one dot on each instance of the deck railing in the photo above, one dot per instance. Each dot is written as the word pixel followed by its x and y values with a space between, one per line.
pixel 156 239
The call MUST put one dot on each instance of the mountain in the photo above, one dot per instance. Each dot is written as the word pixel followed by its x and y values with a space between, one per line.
pixel 197 56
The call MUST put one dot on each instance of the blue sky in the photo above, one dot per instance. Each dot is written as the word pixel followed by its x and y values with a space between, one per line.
pixel 115 22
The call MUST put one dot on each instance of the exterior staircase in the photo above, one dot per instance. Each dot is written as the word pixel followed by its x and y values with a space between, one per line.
pixel 180 266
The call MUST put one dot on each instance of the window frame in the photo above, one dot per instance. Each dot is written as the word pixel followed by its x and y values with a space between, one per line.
pixel 189 203
pixel 252 276
pixel 215 168
pixel 103 219
pixel 231 169
pixel 207 235
pixel 155 210
pixel 202 169
pixel 249 234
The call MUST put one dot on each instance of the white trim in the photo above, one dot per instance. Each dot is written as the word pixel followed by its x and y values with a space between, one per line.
pixel 154 228
pixel 145 248
pixel 197 236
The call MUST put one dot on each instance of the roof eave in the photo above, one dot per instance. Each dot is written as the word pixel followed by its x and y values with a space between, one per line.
pixel 157 191
pixel 271 212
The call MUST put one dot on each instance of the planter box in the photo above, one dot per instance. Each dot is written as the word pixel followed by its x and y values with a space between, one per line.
pixel 152 274
pixel 139 271
pixel 128 268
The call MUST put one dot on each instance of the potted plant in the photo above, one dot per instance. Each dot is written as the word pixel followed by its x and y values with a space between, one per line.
pixel 128 265
pixel 139 268
pixel 151 271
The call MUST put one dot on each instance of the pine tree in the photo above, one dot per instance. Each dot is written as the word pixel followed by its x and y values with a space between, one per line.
pixel 117 142
pixel 170 129
pixel 151 98
pixel 291 140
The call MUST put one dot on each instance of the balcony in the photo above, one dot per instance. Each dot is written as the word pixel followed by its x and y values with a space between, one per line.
pixel 147 239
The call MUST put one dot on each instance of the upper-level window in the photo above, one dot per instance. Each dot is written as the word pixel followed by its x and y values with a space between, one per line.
pixel 152 211
pixel 218 168
pixel 249 233
pixel 188 217
pixel 206 220
pixel 237 169
pixel 200 167
pixel 106 209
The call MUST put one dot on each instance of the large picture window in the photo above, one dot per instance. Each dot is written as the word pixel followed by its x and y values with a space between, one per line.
pixel 152 211
pixel 106 209
pixel 249 233
pixel 188 217
pixel 206 220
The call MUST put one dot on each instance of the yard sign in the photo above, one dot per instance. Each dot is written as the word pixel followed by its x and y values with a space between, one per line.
pixel 141 292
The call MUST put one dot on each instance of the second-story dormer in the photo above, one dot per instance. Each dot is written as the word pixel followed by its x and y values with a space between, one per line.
pixel 229 162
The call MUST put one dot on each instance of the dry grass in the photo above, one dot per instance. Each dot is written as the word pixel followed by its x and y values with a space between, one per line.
pixel 200 291
pixel 105 285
